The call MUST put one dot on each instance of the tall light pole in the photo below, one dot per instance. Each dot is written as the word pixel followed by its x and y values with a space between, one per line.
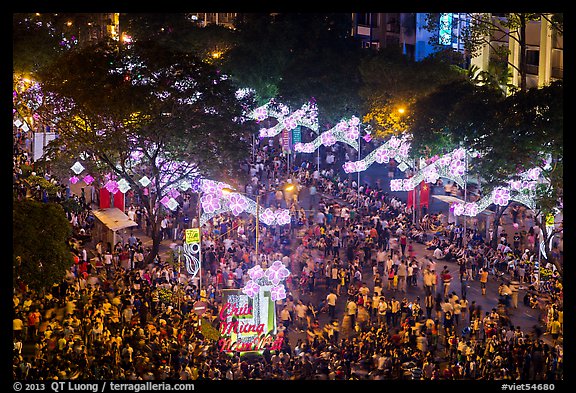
pixel 227 190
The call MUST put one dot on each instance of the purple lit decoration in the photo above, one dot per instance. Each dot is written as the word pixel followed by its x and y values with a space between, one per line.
pixel 501 196
pixel 277 272
pixel 210 203
pixel 174 193
pixel 382 156
pixel 328 139
pixel 270 278
pixel 165 200
pixel 282 216
pixel 278 292
pixel 74 179
pixel 251 289
pixel 112 186
pixel 367 137
pixel 237 204
pixel 88 179
pixel 267 216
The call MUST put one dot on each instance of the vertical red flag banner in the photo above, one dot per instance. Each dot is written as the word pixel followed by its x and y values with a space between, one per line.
pixel 119 200
pixel 410 201
pixel 424 194
pixel 104 198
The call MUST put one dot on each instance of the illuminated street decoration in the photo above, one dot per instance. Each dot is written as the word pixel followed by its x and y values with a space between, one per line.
pixel 248 315
pixel 77 168
pixel 396 148
pixel 522 191
pixel 346 131
pixel 213 202
pixel 306 116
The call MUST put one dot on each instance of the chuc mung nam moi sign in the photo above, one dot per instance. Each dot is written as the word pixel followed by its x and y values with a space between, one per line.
pixel 248 315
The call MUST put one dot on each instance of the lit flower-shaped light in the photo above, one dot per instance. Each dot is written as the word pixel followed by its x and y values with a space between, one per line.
pixel 260 113
pixel 458 209
pixel 408 184
pixel 458 154
pixel 237 204
pixel 263 133
pixel 290 123
pixel 352 133
pixel 74 179
pixel 308 147
pixel 267 216
pixel 251 289
pixel 278 292
pixel 430 174
pixel 211 187
pixel 277 272
pixel 445 160
pixel 88 179
pixel 382 156
pixel 471 209
pixel 354 121
pixel 342 126
pixel 298 147
pixel 210 203
pixel 282 216
pixel 457 167
pixel 394 142
pixel 501 196
pixel 112 186
pixel 327 138
pixel 403 149
pixel 349 167
pixel 533 174
pixel 516 185
pixel 367 137
pixel 360 166
pixel 256 272
pixel 396 185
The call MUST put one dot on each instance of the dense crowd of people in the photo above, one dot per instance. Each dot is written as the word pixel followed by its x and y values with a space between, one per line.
pixel 113 317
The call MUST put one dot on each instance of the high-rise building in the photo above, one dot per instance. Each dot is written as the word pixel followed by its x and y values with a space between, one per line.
pixel 544 45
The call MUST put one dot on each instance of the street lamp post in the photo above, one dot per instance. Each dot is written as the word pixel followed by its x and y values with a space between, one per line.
pixel 257 229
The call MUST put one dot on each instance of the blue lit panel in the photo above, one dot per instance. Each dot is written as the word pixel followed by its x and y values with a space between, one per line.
pixel 445 29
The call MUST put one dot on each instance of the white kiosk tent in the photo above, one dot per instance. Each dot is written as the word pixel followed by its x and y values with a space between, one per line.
pixel 108 222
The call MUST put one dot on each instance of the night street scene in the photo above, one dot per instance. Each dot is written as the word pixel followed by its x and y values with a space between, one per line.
pixel 249 198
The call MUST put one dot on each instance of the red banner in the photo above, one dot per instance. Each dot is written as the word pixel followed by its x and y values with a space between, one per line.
pixel 424 194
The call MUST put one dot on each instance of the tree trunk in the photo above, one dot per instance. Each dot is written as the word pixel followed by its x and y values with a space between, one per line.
pixel 497 216
pixel 522 65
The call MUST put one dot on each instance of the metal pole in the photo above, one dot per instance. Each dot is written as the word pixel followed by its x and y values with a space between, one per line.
pixel 257 225
pixel 465 186
pixel 199 247
pixel 358 185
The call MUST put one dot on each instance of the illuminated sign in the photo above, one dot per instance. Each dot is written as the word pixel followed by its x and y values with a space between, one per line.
pixel 445 30
pixel 247 323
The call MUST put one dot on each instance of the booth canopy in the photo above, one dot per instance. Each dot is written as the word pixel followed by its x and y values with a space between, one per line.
pixel 114 218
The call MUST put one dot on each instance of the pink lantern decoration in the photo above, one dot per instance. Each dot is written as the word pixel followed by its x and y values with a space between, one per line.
pixel 112 186
pixel 88 179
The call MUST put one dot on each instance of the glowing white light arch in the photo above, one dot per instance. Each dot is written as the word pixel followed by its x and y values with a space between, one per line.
pixel 396 148
pixel 346 131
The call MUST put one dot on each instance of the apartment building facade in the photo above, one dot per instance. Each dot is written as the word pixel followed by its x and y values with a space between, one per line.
pixel 544 45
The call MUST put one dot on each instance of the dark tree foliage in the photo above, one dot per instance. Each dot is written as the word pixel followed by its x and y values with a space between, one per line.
pixel 41 254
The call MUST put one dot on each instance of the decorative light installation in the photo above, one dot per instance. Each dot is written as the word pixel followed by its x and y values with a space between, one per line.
pixel 346 131
pixel 306 116
pixel 396 148
pixel 270 278
pixel 214 202
pixel 77 168
pixel 522 191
